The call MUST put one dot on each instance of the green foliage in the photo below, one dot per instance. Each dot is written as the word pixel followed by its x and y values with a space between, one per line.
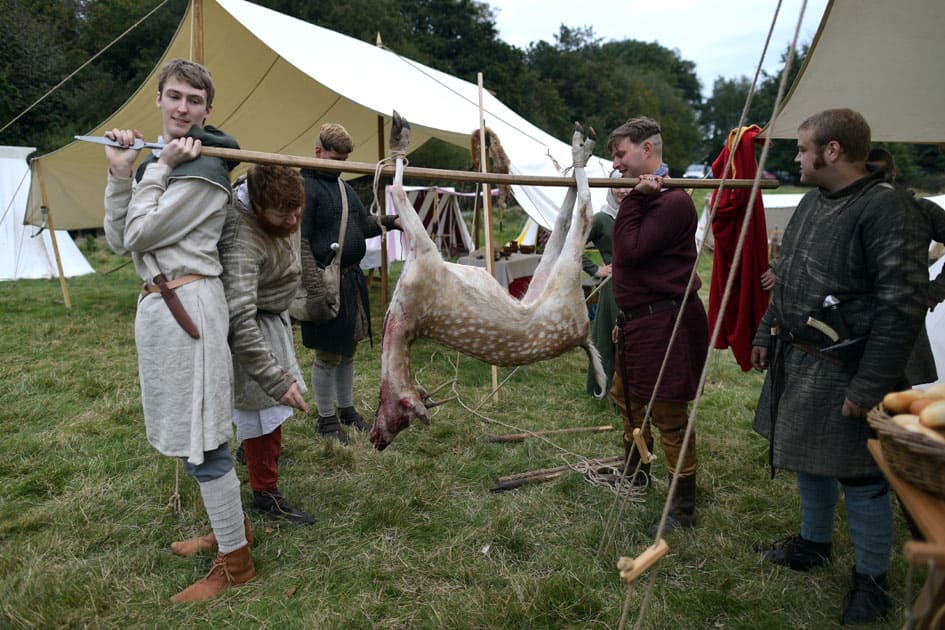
pixel 577 78
pixel 605 85
pixel 407 538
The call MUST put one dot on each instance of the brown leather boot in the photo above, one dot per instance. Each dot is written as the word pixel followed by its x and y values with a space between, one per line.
pixel 682 510
pixel 229 569
pixel 205 543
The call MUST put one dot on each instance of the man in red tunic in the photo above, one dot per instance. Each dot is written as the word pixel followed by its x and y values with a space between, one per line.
pixel 654 251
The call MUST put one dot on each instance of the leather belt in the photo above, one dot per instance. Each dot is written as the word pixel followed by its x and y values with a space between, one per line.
pixel 788 337
pixel 171 284
pixel 166 288
pixel 660 306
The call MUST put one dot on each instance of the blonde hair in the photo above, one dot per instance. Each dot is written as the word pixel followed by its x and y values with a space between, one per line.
pixel 334 137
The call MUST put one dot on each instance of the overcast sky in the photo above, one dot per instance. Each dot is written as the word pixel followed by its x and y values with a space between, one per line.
pixel 723 38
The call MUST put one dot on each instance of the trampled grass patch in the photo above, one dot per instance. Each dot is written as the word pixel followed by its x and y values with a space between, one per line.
pixel 407 538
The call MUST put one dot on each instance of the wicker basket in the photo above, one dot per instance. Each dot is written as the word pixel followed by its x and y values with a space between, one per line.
pixel 914 457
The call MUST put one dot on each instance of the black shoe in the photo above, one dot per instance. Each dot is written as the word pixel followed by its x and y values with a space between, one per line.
pixel 241 454
pixel 867 600
pixel 351 418
pixel 797 553
pixel 329 428
pixel 272 503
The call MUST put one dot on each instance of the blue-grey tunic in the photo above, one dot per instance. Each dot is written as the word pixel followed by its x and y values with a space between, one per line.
pixel 864 245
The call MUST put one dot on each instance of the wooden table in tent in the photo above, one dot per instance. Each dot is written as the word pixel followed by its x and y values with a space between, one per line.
pixel 928 512
pixel 513 273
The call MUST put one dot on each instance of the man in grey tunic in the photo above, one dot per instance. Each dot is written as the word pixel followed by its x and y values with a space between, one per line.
pixel 169 217
pixel 858 240
pixel 261 269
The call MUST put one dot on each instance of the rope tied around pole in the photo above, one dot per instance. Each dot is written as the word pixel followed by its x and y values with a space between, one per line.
pixel 395 155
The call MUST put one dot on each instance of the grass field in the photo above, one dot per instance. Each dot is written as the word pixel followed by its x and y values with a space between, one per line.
pixel 407 538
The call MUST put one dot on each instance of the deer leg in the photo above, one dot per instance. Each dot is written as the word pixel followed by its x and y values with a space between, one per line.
pixel 573 221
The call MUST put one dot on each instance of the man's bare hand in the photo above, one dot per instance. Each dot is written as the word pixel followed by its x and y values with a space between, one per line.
pixel 120 161
pixel 293 398
pixel 759 358
pixel 603 271
pixel 180 150
pixel 649 184
pixel 852 410
pixel 768 279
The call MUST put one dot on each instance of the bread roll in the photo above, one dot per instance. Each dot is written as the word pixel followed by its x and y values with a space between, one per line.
pixel 933 416
pixel 898 402
pixel 927 432
pixel 916 406
pixel 936 391
pixel 904 420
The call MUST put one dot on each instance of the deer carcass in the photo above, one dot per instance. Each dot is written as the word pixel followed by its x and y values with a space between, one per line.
pixel 464 308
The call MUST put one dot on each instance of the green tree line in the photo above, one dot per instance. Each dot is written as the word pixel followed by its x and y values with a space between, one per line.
pixel 577 76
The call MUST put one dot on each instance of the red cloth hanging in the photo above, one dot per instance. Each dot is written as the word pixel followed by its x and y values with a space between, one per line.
pixel 748 301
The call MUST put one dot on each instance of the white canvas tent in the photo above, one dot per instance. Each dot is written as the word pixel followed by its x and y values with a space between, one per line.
pixel 21 254
pixel 278 79
pixel 880 58
pixel 438 208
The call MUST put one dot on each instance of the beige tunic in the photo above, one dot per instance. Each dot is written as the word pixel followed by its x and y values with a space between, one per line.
pixel 186 383
pixel 260 275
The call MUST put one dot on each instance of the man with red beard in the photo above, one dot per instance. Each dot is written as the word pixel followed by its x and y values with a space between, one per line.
pixel 259 250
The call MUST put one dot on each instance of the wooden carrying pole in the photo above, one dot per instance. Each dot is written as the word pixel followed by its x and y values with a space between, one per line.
pixel 52 234
pixel 487 216
pixel 440 174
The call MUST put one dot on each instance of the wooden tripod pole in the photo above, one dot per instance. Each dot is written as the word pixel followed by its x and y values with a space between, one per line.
pixel 382 202
pixel 52 234
pixel 487 216
pixel 196 32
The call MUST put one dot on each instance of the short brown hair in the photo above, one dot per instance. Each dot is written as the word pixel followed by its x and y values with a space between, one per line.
pixel 844 126
pixel 334 137
pixel 274 187
pixel 191 73
pixel 636 130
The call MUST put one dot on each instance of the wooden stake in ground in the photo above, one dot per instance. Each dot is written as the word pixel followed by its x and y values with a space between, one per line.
pixel 511 482
pixel 518 437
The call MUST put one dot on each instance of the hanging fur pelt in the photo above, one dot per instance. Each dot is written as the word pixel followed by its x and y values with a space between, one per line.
pixel 498 159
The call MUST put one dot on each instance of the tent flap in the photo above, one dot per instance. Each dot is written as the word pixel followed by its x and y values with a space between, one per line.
pixel 278 80
pixel 880 58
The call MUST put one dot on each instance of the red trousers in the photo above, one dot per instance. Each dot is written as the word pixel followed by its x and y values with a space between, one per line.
pixel 262 460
